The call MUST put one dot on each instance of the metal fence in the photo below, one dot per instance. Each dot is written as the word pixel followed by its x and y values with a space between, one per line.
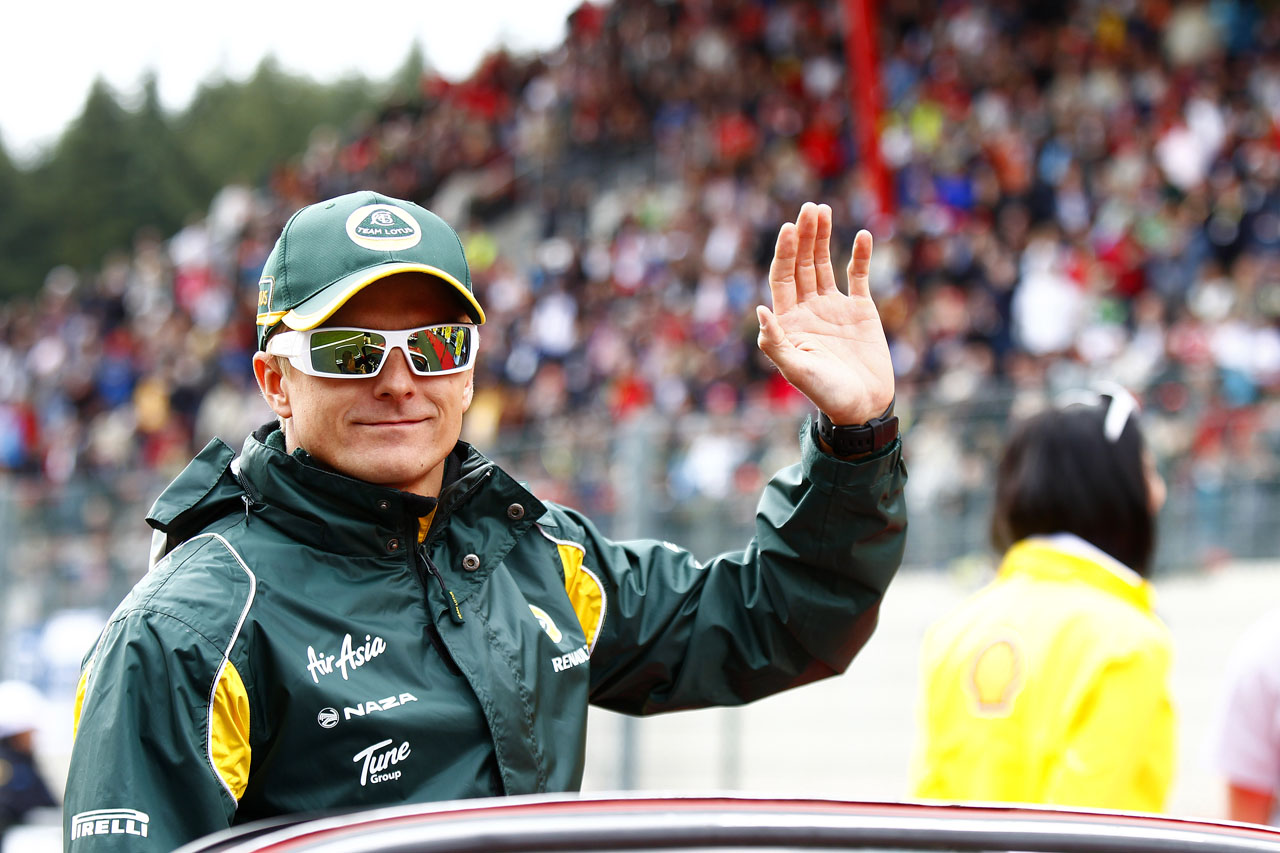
pixel 70 551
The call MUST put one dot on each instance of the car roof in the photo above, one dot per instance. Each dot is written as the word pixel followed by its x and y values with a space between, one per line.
pixel 661 822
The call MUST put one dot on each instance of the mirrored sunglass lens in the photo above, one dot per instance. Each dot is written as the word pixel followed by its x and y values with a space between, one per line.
pixel 346 352
pixel 442 348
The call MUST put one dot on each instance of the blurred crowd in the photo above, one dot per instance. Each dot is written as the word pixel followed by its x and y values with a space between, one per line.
pixel 1079 190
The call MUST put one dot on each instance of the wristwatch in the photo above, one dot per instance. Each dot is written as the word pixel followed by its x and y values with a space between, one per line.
pixel 855 440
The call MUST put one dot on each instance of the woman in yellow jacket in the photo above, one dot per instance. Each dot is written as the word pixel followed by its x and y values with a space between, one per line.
pixel 1051 685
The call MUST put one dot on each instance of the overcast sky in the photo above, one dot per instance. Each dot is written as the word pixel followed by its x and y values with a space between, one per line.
pixel 51 50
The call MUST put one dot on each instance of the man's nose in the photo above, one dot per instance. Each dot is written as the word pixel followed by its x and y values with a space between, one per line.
pixel 395 378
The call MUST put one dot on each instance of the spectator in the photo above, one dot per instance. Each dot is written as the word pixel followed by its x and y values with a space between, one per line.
pixel 1245 740
pixel 22 788
pixel 1051 684
pixel 1079 191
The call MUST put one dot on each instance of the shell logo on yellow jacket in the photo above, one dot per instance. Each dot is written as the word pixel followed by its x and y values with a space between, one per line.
pixel 996 677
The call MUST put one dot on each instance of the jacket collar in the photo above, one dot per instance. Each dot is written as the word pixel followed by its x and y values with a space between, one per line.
pixel 1065 557
pixel 350 516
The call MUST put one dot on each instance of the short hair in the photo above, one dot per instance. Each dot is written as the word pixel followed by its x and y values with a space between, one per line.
pixel 1061 474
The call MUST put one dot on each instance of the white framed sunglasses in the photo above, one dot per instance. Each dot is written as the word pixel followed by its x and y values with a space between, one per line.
pixel 358 353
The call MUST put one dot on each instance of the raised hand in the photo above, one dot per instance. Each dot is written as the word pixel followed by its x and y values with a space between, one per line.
pixel 828 345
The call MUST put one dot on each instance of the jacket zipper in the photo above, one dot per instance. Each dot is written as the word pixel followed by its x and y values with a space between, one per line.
pixel 433 633
pixel 251 498
pixel 455 612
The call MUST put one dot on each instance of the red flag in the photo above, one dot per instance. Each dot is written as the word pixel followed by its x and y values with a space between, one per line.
pixel 864 95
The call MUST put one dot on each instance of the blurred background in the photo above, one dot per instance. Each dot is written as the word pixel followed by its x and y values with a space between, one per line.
pixel 1059 192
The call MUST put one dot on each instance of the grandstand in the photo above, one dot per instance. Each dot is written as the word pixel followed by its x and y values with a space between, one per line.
pixel 1078 190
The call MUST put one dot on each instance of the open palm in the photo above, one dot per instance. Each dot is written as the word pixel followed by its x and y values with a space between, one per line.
pixel 830 346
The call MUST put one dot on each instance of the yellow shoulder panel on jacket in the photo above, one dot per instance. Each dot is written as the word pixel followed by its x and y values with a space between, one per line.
pixel 229 749
pixel 585 591
pixel 79 703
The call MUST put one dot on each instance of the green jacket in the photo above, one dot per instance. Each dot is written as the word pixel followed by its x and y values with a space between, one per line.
pixel 296 650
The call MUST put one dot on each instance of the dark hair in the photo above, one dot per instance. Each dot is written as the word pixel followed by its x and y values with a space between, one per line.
pixel 1060 474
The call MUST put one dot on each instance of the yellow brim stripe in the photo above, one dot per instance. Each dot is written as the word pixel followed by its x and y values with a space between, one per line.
pixel 270 318
pixel 302 322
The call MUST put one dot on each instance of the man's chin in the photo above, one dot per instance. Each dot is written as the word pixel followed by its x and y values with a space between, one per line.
pixel 406 475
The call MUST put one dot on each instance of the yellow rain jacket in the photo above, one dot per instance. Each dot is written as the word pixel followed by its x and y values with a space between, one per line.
pixel 1050 685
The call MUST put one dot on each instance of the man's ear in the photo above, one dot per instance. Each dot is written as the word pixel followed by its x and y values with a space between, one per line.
pixel 273 383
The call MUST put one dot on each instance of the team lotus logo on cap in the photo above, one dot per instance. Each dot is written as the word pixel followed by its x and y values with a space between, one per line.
pixel 383 228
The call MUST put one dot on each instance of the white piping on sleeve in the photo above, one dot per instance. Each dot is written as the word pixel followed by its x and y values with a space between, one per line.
pixel 226 655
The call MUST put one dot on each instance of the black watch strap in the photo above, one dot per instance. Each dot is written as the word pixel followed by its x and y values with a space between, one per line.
pixel 858 439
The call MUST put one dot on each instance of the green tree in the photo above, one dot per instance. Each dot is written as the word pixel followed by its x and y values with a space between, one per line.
pixel 406 81
pixel 116 170
pixel 112 172
pixel 238 132
pixel 16 265
pixel 86 192
pixel 168 185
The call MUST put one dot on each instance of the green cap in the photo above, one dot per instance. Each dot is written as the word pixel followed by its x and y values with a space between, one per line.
pixel 331 250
